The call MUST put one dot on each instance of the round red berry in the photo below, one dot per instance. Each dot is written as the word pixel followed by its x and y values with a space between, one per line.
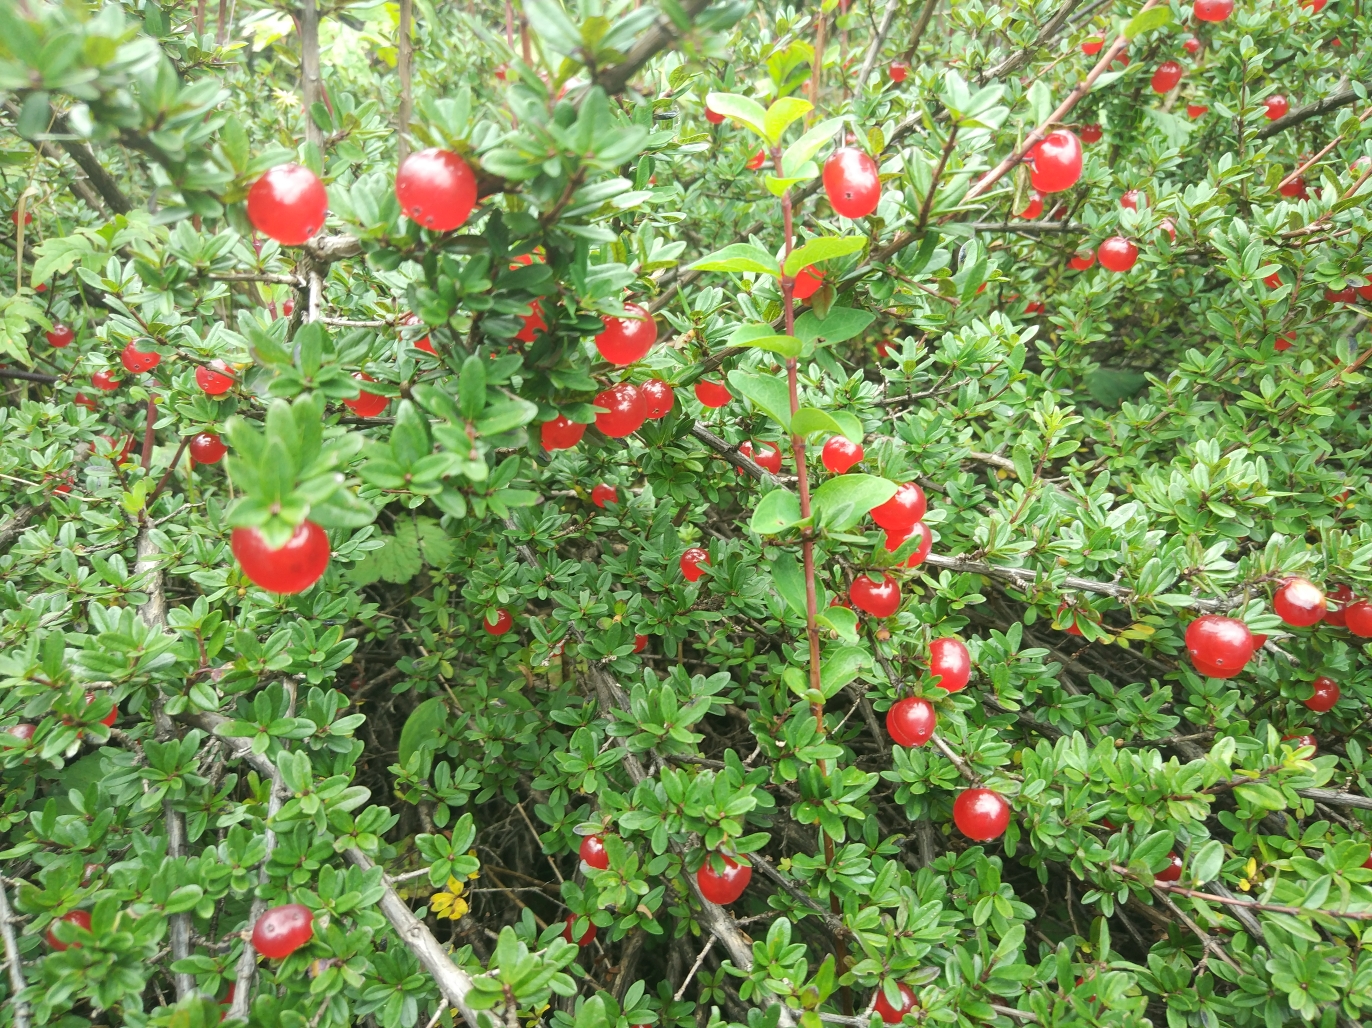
pixel 625 410
pixel 1034 207
pixel 659 397
pixel 1326 694
pixel 911 721
pixel 436 188
pixel 1212 10
pixel 108 719
pixel 1299 602
pixel 894 540
pixel 1117 254
pixel 587 937
pixel 1358 618
pixel 533 324
pixel 214 380
pixel 723 886
pixel 1167 76
pixel 1192 45
pixel 880 599
pixel 1340 597
pixel 1091 47
pixel 768 457
pixel 137 361
pixel 640 643
pixel 561 434
pixel 1082 260
pixel 757 160
pixel 894 1015
pixel 367 405
pixel 1219 646
pixel 603 494
pixel 502 623
pixel 691 562
pixel 981 814
pixel 593 852
pixel 627 339
pixel 1194 111
pixel 712 394
pixel 1055 162
pixel 903 510
pixel 291 569
pixel 949 659
pixel 1172 872
pixel 288 204
pixel 1277 106
pixel 282 930
pixel 60 335
pixel 1091 133
pixel 899 70
pixel 807 283
pixel 852 182
pixel 80 918
pixel 207 448
pixel 713 117
pixel 22 731
pixel 840 453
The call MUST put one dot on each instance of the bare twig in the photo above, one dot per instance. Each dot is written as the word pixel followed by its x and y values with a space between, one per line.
pixel 12 961
pixel 877 41
pixel 1332 102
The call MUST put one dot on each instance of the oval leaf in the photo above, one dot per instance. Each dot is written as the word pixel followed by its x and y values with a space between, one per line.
pixel 857 493
pixel 776 512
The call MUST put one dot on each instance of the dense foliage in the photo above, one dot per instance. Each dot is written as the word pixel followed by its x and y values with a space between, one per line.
pixel 589 719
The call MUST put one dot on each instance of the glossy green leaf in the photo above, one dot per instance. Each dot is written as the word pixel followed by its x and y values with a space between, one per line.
pixel 776 512
pixel 845 499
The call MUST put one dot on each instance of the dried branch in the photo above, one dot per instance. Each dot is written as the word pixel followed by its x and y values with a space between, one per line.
pixel 1045 35
pixel 661 35
pixel 1332 102
pixel 730 453
pixel 12 961
pixel 877 42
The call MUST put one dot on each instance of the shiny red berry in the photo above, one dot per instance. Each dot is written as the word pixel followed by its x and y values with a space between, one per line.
pixel 1212 10
pixel 899 70
pixel 603 494
pixel 1358 618
pixel 1194 111
pixel 561 434
pixel 1091 47
pixel 82 400
pixel 22 731
pixel 533 324
pixel 291 569
pixel 214 381
pixel 691 562
pixel 713 117
pixel 502 623
pixel 880 599
pixel 1299 602
pixel 624 410
pixel 840 454
pixel 105 381
pixel 1326 694
pixel 108 719
pixel 1340 597
pixel 137 361
pixel 903 510
pixel 640 643
pixel 1219 646
pixel 1192 45
pixel 981 814
pixel 757 160
pixel 949 659
pixel 1130 200
pixel 60 335
pixel 1055 162
pixel 726 886
pixel 587 937
pixel 712 394
pixel 1091 133
pixel 207 448
pixel 1297 741
pixel 1172 872
pixel 852 182
pixel 911 721
pixel 593 852
pixel 436 188
pixel 1081 261
pixel 367 405
pixel 288 204
pixel 1117 254
pixel 283 930
pixel 894 1015
pixel 808 282
pixel 894 540
pixel 768 457
pixel 1277 106
pixel 80 918
pixel 1166 77
pixel 1034 208
pixel 627 339
pixel 659 397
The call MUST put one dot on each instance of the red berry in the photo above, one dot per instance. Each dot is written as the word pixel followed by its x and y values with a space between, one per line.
pixel 1130 200
pixel 1340 596
pixel 1326 694
pixel 283 930
pixel 82 400
pixel 768 457
pixel 840 454
pixel 659 397
pixel 626 340
pixel 136 361
pixel 593 852
pixel 981 814
pixel 1192 45
pixel 807 283
pixel 60 336
pixel 1091 47
pixel 14 217
pixel 1117 254
pixel 949 659
pixel 212 380
pixel 903 510
pixel 561 434
pixel 207 448
pixel 502 623
pixel 436 188
pixel 367 405
pixel 24 731
pixel 1340 296
pixel 1167 76
pixel 1295 189
pixel 712 394
pixel 1277 106
pixel 852 182
pixel 1081 261
pixel 723 887
pixel 888 1013
pixel 1273 281
pixel 713 117
pixel 1299 602
pixel 80 918
pixel 756 161
pixel 1071 628
pixel 1297 741
pixel 1172 872
pixel 1358 618
pixel 1212 10
pixel 1194 111
pixel 911 721
pixel 1170 227
pixel 625 410
pixel 287 308
pixel 880 599
pixel 533 324
pixel 899 70
pixel 104 381
pixel 640 643
pixel 691 562
pixel 288 204
pixel 1034 207
pixel 1055 163
pixel 291 569
pixel 1218 645
pixel 603 494
pixel 895 539
pixel 587 937
pixel 1091 133
pixel 108 719
pixel 1034 307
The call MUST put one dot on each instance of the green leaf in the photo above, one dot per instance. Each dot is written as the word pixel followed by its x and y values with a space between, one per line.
pixel 780 115
pixel 740 109
pixel 764 337
pixel 841 667
pixel 809 420
pixel 776 512
pixel 804 149
pixel 789 580
pixel 421 727
pixel 1147 21
pixel 1206 864
pixel 845 499
pixel 849 424
pixel 841 620
pixel 739 257
pixel 840 325
pixel 472 387
pixel 778 186
pixel 822 249
pixel 766 392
